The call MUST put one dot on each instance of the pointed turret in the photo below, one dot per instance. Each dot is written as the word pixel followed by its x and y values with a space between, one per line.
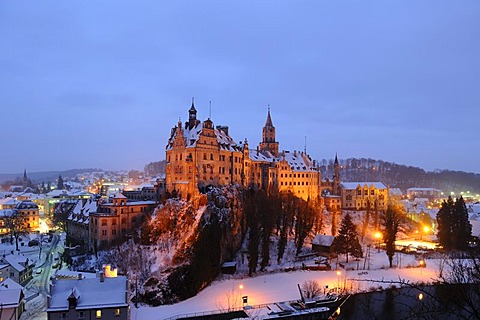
pixel 269 122
pixel 192 115
pixel 268 137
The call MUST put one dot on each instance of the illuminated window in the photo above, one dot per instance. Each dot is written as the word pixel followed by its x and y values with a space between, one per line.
pixel 117 312
pixel 98 314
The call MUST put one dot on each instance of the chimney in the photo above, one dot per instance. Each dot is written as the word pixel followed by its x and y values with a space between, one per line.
pixel 102 276
pixel 80 277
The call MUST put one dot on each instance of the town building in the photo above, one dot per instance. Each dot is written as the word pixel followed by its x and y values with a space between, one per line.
pixel 114 220
pixel 13 211
pixel 430 193
pixel 89 298
pixel 199 155
pixel 78 222
pixel 12 299
pixel 20 268
pixel 364 195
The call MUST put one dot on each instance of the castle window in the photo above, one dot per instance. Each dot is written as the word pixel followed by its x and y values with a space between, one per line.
pixel 204 156
pixel 211 156
pixel 180 157
pixel 372 192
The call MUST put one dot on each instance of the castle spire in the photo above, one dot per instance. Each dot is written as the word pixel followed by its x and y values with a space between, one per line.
pixel 269 122
pixel 336 158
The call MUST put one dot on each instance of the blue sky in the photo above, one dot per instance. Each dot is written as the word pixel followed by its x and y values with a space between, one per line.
pixel 101 83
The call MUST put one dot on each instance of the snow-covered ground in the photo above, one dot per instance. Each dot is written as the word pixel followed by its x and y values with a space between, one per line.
pixel 266 288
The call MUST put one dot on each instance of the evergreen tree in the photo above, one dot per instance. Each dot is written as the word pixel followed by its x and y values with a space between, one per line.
pixel 60 185
pixel 462 228
pixel 454 228
pixel 392 220
pixel 445 222
pixel 347 240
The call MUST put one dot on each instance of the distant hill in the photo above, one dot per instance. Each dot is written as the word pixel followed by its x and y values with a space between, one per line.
pixel 402 176
pixel 45 176
pixel 155 168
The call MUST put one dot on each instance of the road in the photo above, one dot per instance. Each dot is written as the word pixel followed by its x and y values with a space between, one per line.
pixel 41 283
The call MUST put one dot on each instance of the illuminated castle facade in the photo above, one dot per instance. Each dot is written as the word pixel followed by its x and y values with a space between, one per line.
pixel 199 154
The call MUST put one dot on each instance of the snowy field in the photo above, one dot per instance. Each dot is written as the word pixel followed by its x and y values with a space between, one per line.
pixel 267 288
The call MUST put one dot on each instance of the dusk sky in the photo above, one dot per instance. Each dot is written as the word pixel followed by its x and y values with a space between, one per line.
pixel 100 84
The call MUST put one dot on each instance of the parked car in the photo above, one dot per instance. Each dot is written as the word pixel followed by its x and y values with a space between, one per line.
pixel 33 242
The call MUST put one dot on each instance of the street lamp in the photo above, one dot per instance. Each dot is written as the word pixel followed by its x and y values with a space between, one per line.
pixel 426 229
pixel 378 236
pixel 339 273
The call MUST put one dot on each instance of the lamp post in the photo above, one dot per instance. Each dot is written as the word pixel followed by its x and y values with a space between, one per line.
pixel 339 273
pixel 378 236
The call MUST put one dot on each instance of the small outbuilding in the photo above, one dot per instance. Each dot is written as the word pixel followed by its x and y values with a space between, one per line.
pixel 323 244
pixel 229 267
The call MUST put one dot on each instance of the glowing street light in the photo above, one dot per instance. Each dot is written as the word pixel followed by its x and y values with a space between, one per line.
pixel 378 236
pixel 339 273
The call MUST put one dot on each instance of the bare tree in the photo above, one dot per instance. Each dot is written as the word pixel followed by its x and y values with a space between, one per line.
pixel 16 224
pixel 311 289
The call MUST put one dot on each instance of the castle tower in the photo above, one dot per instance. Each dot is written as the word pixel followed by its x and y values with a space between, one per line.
pixel 268 137
pixel 192 116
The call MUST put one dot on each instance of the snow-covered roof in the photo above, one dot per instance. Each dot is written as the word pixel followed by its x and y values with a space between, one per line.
pixel 355 185
pixel 67 274
pixel 422 189
pixel 131 203
pixel 8 202
pixel 57 193
pixel 298 161
pixel 27 204
pixel 6 212
pixel 119 195
pixel 323 240
pixel 191 136
pixel 256 155
pixel 17 261
pixel 10 298
pixel 92 293
pixel 10 284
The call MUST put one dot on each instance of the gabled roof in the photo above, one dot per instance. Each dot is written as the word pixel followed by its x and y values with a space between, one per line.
pixel 10 284
pixel 110 293
pixel 16 261
pixel 362 185
pixel 323 240
pixel 11 298
pixel 119 195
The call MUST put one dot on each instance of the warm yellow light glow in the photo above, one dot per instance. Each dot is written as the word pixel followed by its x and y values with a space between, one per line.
pixel 339 273
pixel 378 235
pixel 240 286
pixel 420 296
pixel 421 262
pixel 426 229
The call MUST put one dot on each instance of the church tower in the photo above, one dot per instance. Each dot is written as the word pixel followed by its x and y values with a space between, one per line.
pixel 336 177
pixel 25 179
pixel 268 137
